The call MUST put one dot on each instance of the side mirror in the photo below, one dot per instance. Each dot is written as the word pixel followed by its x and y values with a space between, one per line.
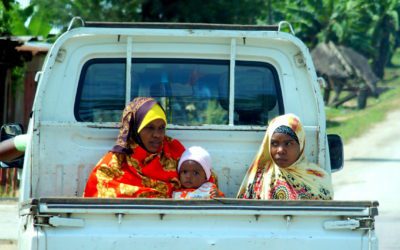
pixel 10 130
pixel 335 152
pixel 7 132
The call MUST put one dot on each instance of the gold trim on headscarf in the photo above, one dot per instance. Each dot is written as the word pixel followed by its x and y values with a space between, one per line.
pixel 266 175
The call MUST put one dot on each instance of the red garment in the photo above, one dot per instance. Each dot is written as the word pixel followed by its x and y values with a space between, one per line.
pixel 139 174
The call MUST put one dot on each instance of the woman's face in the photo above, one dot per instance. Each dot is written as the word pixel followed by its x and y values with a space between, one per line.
pixel 284 150
pixel 191 174
pixel 152 135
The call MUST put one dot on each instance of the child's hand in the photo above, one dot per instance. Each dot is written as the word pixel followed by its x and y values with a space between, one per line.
pixel 214 193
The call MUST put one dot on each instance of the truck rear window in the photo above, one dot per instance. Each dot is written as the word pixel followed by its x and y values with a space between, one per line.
pixel 193 92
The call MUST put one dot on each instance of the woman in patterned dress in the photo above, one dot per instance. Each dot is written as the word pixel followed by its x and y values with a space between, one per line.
pixel 281 170
pixel 143 162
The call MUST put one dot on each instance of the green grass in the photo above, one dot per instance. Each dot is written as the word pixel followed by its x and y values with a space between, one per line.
pixel 350 123
pixel 9 194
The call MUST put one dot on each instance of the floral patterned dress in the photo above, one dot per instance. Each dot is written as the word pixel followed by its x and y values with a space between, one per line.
pixel 302 180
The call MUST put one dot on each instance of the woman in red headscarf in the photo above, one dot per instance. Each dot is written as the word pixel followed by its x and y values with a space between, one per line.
pixel 143 162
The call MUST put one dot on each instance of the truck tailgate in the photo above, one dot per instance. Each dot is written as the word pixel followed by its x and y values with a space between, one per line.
pixel 76 223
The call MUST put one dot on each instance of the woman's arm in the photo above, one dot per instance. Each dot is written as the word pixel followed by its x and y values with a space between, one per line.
pixel 12 148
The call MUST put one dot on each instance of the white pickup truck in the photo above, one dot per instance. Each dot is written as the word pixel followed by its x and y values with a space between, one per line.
pixel 220 85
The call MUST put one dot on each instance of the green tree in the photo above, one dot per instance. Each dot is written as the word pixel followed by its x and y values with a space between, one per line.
pixel 369 27
pixel 9 56
pixel 37 23
pixel 13 20
pixel 201 11
pixel 60 12
pixel 384 31
pixel 5 20
pixel 316 21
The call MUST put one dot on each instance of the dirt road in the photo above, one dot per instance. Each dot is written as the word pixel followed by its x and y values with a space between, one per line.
pixel 372 172
pixel 8 224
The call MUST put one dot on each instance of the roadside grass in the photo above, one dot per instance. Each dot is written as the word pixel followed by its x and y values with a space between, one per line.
pixel 350 123
pixel 7 193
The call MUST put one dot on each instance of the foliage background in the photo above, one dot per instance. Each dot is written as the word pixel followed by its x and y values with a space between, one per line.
pixel 371 27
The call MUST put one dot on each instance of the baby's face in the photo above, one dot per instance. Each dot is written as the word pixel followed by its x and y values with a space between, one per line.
pixel 191 174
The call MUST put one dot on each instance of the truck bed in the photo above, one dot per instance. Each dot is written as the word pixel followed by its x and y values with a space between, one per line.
pixel 83 205
pixel 202 224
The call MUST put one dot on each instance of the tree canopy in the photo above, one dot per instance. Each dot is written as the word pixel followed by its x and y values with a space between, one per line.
pixel 371 27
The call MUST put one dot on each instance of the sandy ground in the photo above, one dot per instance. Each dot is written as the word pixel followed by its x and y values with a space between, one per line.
pixel 8 222
pixel 372 172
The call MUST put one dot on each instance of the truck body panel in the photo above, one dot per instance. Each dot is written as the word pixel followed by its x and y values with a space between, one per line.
pixel 247 76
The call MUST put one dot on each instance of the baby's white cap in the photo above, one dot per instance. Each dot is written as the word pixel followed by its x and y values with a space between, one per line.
pixel 199 155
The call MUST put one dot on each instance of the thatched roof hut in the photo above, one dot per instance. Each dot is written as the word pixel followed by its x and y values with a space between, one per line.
pixel 343 63
pixel 327 63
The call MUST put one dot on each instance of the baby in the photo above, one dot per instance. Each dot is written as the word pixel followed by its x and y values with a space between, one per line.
pixel 194 171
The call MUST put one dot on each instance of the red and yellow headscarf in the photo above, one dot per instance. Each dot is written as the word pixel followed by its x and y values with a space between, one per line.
pixel 302 180
pixel 137 114
pixel 130 171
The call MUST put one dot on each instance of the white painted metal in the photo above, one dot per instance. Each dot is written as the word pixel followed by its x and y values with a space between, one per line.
pixel 149 231
pixel 232 80
pixel 342 224
pixel 128 70
pixel 62 151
